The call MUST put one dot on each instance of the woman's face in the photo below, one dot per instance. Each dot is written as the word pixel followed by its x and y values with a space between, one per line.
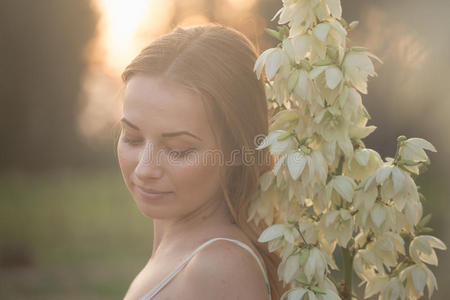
pixel 165 137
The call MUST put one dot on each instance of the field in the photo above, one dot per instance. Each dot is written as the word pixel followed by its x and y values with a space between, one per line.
pixel 70 235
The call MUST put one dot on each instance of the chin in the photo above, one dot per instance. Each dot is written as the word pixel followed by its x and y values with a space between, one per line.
pixel 151 212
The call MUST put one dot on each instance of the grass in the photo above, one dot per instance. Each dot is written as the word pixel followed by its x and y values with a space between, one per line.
pixel 70 234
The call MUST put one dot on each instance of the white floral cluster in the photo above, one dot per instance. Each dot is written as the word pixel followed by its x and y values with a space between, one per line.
pixel 328 189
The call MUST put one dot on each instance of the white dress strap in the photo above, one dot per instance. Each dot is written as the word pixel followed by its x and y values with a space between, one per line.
pixel 164 282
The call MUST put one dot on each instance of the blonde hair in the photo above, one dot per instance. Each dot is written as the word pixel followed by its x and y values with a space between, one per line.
pixel 217 62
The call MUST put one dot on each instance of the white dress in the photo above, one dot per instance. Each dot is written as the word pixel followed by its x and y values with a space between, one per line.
pixel 164 282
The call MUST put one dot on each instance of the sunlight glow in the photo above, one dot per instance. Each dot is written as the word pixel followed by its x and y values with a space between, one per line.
pixel 127 26
pixel 241 4
pixel 194 20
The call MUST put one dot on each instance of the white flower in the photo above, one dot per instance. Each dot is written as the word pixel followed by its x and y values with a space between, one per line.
pixel 413 149
pixel 398 188
pixel 285 120
pixel 328 149
pixel 375 284
pixel 393 290
pixel 345 186
pixel 289 267
pixel 381 218
pixel 403 190
pixel 416 277
pixel 350 102
pixel 386 248
pixel 413 212
pixel 357 67
pixel 330 290
pixel 328 84
pixel 296 162
pixel 391 177
pixel 421 249
pixel 333 75
pixel 316 265
pixel 295 294
pixel 337 188
pixel 389 288
pixel 331 125
pixel 383 250
pixel 277 147
pixel 335 8
pixel 299 14
pixel 299 292
pixel 318 167
pixel 325 35
pixel 268 90
pixel 360 130
pixel 301 44
pixel 287 231
pixel 288 48
pixel 304 87
pixel 364 202
pixel 364 162
pixel 266 180
pixel 262 207
pixel 338 224
pixel 311 168
pixel 280 88
pixel 276 244
pixel 261 60
pixel 310 230
pixel 328 295
pixel 364 264
pixel 273 59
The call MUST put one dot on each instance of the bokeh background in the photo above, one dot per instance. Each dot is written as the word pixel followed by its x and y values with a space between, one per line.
pixel 68 227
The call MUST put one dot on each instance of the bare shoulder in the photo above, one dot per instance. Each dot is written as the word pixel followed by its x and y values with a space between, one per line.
pixel 224 270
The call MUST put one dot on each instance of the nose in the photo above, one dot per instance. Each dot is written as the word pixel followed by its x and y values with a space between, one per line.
pixel 149 164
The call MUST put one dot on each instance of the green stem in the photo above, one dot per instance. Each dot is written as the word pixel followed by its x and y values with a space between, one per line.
pixel 340 166
pixel 299 143
pixel 348 272
pixel 299 231
pixel 400 141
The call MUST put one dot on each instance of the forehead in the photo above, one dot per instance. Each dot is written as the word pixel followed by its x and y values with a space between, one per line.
pixel 156 105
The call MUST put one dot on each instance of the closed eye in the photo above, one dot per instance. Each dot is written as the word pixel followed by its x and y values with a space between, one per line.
pixel 131 141
pixel 179 154
pixel 172 153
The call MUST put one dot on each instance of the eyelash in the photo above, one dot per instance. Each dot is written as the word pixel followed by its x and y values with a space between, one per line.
pixel 180 154
pixel 177 154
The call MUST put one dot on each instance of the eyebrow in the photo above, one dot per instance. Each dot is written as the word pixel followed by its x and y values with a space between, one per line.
pixel 165 134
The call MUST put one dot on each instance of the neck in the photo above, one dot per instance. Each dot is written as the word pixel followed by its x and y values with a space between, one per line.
pixel 182 232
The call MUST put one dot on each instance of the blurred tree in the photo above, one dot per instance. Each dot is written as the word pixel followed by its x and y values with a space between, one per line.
pixel 41 67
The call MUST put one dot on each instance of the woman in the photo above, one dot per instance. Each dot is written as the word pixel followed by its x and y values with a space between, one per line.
pixel 192 110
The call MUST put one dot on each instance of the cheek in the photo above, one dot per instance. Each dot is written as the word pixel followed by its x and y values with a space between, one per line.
pixel 127 160
pixel 197 183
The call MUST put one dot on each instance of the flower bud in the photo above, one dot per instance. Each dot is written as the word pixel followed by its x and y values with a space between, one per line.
pixel 401 138
pixel 353 25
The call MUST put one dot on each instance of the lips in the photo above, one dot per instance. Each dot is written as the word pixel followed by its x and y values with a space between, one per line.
pixel 152 191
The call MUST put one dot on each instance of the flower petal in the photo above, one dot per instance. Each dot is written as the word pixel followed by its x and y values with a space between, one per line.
pixel 296 163
pixel 344 186
pixel 273 63
pixel 321 31
pixel 272 232
pixel 333 76
pixel 378 215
